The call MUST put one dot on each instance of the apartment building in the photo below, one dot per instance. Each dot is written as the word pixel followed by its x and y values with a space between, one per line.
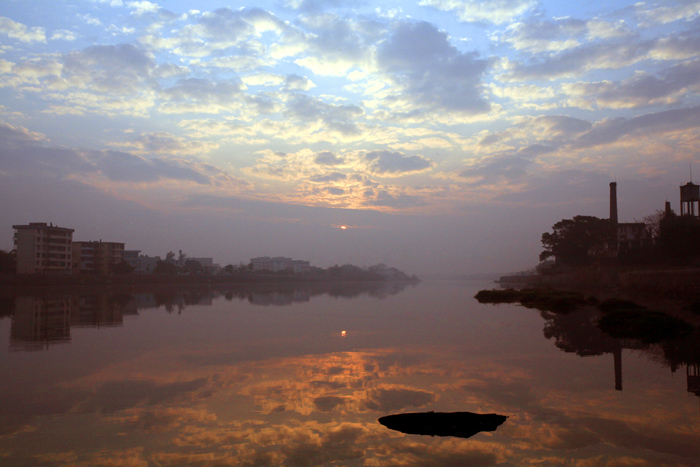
pixel 43 248
pixel 96 257
pixel 279 263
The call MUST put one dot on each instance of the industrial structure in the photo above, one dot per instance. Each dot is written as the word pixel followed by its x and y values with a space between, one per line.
pixel 690 199
pixel 626 235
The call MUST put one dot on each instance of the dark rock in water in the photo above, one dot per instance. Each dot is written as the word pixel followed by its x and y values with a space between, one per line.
pixel 458 424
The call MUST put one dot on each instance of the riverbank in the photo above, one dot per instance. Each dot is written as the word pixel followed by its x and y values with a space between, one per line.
pixel 31 281
pixel 666 283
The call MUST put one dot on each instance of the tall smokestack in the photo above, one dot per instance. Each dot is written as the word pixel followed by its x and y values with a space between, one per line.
pixel 613 203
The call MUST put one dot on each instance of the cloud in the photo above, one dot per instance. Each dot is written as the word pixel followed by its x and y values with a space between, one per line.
pixel 679 46
pixel 394 399
pixel 328 158
pixel 332 45
pixel 545 36
pixel 429 74
pixel 314 6
pixel 11 135
pixel 685 11
pixel 496 170
pixel 395 164
pixel 643 89
pixel 114 396
pixel 64 35
pixel 236 31
pixel 118 69
pixel 384 199
pixel 334 117
pixel 23 154
pixel 558 35
pixel 204 96
pixel 21 32
pixel 574 62
pixel 492 11
pixel 611 130
pixel 165 143
pixel 298 83
pixel 140 8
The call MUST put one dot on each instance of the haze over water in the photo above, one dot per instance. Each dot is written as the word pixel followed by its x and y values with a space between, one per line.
pixel 254 375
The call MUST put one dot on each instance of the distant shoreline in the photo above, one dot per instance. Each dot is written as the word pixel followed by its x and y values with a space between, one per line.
pixel 155 279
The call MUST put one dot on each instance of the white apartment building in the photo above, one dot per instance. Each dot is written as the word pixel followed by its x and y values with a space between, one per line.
pixel 43 248
pixel 279 263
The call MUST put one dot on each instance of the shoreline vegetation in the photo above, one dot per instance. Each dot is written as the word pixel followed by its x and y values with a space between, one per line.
pixel 345 273
pixel 665 283
pixel 618 318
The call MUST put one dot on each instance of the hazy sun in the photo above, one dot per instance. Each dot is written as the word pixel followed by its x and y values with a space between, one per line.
pixel 343 227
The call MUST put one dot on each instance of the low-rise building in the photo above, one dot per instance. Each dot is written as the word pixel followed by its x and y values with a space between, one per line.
pixel 146 264
pixel 208 265
pixel 279 263
pixel 43 248
pixel 96 257
pixel 132 257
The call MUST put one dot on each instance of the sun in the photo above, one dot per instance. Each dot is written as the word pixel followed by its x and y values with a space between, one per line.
pixel 343 227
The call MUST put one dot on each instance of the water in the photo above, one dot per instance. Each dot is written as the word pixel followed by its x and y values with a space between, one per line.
pixel 298 376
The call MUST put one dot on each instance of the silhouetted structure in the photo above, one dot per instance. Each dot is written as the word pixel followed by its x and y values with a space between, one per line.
pixel 690 199
pixel 626 235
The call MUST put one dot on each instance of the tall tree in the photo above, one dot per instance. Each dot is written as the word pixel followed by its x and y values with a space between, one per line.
pixel 8 262
pixel 577 241
pixel 679 237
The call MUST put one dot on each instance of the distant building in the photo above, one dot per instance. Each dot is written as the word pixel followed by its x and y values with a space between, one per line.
pixel 43 248
pixel 301 266
pixel 96 257
pixel 146 264
pixel 132 257
pixel 279 263
pixel 208 265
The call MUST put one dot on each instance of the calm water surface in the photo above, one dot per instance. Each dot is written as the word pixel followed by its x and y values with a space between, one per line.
pixel 299 376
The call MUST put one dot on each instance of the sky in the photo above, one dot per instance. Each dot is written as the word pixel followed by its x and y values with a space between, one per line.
pixel 445 135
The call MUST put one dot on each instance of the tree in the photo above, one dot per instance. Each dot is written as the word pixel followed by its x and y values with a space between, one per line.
pixel 577 241
pixel 653 222
pixel 166 267
pixel 122 267
pixel 8 262
pixel 193 267
pixel 679 237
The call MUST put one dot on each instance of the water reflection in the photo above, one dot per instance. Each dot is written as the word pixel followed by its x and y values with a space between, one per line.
pixel 232 383
pixel 578 332
pixel 45 319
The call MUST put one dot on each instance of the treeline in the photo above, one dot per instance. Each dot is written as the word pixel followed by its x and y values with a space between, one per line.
pixel 671 240
pixel 344 273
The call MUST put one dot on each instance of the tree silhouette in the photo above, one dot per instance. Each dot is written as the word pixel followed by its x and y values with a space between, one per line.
pixel 577 241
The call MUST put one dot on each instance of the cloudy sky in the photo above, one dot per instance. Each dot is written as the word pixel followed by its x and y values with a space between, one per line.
pixel 447 135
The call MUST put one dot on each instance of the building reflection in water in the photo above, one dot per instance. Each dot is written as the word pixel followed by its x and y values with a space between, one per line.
pixel 577 332
pixel 39 321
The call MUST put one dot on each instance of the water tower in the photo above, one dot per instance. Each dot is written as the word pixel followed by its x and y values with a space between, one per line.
pixel 690 199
